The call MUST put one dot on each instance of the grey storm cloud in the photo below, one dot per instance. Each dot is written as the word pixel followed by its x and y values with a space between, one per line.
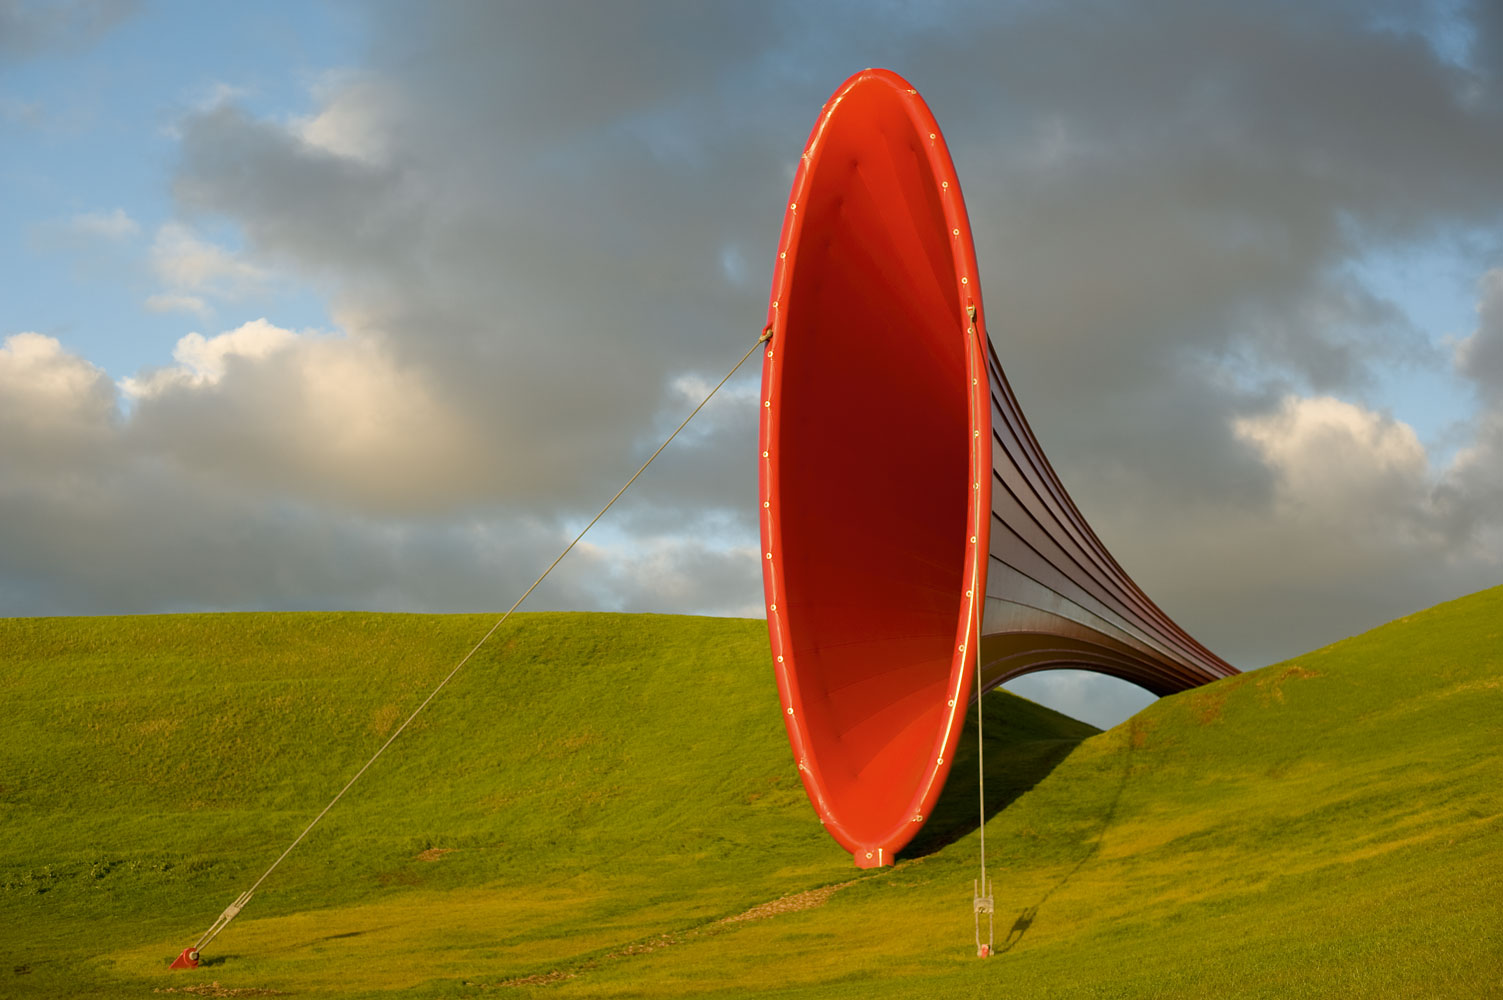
pixel 1472 492
pixel 1480 356
pixel 544 229
pixel 33 27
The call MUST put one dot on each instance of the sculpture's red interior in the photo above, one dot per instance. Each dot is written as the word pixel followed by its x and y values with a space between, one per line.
pixel 872 451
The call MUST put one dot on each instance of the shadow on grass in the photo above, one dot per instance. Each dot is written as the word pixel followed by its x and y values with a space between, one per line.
pixel 211 961
pixel 1024 742
pixel 1026 918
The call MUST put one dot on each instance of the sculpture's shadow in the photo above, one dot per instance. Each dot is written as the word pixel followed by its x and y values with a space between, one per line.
pixel 1026 917
pixel 1024 742
pixel 1022 747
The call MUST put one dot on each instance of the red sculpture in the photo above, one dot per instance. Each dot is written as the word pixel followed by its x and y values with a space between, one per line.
pixel 900 484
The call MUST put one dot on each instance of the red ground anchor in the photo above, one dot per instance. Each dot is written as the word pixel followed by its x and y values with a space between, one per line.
pixel 187 960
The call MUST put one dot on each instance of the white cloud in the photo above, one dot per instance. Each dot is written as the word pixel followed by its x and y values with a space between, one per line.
pixel 679 573
pixel 41 380
pixel 55 407
pixel 1359 526
pixel 691 389
pixel 309 415
pixel 168 302
pixel 372 417
pixel 188 264
pixel 114 225
pixel 218 94
pixel 354 119
pixel 202 361
pixel 1335 459
pixel 89 234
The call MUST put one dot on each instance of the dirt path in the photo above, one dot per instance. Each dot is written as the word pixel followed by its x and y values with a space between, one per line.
pixel 793 903
pixel 215 990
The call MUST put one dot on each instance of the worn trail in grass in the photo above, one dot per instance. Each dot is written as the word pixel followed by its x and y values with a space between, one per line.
pixel 592 804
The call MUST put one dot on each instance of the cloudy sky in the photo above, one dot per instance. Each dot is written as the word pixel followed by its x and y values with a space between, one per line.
pixel 372 305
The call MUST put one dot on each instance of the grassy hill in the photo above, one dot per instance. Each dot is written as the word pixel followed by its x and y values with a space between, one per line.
pixel 604 805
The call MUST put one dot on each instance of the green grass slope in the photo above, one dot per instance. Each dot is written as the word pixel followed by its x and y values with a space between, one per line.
pixel 604 805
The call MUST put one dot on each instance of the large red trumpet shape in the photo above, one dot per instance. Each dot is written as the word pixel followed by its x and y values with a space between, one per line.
pixel 910 522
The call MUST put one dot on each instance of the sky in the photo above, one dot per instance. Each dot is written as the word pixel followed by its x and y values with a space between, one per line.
pixel 372 306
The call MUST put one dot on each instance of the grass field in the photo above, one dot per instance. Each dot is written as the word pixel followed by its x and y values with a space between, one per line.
pixel 604 805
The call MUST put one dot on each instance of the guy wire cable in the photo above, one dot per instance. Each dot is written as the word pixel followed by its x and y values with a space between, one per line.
pixel 233 910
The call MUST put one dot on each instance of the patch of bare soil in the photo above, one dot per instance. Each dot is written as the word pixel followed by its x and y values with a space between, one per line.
pixel 793 903
pixel 1273 687
pixel 1207 705
pixel 1140 730
pixel 434 853
pixel 653 944
pixel 789 904
pixel 546 979
pixel 215 990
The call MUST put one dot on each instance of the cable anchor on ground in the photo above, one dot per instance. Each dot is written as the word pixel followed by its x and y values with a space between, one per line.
pixel 983 904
